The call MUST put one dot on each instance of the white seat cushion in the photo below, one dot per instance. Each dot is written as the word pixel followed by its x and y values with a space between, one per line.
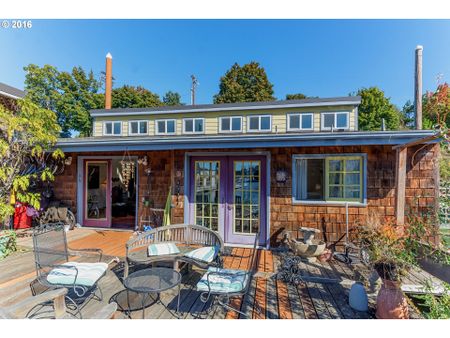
pixel 226 281
pixel 206 254
pixel 88 274
pixel 159 249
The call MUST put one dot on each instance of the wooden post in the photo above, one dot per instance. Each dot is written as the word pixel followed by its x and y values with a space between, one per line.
pixel 400 185
pixel 418 87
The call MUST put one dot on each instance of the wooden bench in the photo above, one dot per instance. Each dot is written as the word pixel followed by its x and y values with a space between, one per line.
pixel 186 237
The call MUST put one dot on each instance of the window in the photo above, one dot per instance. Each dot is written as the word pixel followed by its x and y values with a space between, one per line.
pixel 232 124
pixel 329 178
pixel 300 122
pixel 338 120
pixel 137 127
pixel 165 127
pixel 193 126
pixel 112 128
pixel 258 123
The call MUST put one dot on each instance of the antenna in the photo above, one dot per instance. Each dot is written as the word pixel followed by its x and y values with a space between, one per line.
pixel 194 85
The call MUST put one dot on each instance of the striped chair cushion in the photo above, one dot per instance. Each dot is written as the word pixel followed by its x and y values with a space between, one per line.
pixel 206 254
pixel 159 249
pixel 88 274
pixel 227 281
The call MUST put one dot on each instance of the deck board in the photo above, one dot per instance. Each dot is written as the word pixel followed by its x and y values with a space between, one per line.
pixel 267 297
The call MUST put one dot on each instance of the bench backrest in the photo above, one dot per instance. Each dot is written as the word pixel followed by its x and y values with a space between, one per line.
pixel 186 234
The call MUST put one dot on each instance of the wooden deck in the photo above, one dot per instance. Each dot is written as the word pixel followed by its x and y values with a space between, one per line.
pixel 267 298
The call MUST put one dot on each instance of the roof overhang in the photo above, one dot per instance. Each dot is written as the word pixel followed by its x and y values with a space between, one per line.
pixel 105 144
pixel 286 104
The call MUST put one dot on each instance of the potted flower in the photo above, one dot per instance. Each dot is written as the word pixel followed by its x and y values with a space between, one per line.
pixel 388 252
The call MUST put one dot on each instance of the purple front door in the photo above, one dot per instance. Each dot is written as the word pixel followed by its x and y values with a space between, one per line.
pixel 97 193
pixel 228 195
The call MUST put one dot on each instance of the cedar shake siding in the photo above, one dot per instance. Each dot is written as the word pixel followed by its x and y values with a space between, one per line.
pixel 167 169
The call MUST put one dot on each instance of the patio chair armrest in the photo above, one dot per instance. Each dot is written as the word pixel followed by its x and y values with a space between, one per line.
pixel 80 252
pixel 56 296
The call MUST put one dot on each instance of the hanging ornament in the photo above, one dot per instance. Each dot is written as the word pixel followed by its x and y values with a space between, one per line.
pixel 128 169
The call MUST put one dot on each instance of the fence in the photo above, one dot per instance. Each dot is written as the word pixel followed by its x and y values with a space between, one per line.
pixel 444 204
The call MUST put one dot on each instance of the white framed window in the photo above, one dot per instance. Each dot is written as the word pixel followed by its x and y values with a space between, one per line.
pixel 194 125
pixel 137 127
pixel 112 128
pixel 300 121
pixel 334 120
pixel 329 179
pixel 259 123
pixel 165 127
pixel 230 124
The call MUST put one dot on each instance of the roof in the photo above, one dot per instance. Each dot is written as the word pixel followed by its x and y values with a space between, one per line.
pixel 314 102
pixel 11 92
pixel 121 143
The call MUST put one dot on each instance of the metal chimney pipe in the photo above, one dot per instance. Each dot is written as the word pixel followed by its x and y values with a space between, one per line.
pixel 418 87
pixel 108 81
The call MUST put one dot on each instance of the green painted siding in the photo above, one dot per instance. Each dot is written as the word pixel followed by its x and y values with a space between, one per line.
pixel 211 127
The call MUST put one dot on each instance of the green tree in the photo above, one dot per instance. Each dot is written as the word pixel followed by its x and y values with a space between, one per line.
pixel 375 107
pixel 408 115
pixel 69 95
pixel 172 99
pixel 298 96
pixel 248 83
pixel 27 138
pixel 134 97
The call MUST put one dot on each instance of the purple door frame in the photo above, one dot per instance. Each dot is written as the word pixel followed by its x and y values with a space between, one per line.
pixel 106 222
pixel 226 196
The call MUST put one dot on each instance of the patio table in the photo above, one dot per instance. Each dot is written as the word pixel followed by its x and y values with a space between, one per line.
pixel 151 281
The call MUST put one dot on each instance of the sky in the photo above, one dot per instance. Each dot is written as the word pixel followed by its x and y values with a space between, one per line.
pixel 324 58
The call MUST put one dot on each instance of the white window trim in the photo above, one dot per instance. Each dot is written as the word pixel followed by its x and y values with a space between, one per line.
pixel 295 201
pixel 165 124
pixel 322 120
pixel 138 133
pixel 229 131
pixel 300 125
pixel 193 126
pixel 259 124
pixel 112 128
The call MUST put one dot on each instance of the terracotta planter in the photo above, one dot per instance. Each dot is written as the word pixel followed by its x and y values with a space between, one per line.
pixel 391 302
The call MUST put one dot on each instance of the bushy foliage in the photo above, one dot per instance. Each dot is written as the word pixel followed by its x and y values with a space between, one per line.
pixel 375 107
pixel 247 83
pixel 27 137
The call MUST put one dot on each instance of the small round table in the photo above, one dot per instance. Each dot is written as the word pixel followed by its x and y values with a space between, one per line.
pixel 154 281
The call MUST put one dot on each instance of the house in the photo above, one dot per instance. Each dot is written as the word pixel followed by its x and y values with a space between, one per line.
pixel 242 166
pixel 9 95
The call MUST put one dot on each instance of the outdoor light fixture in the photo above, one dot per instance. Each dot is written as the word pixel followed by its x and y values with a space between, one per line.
pixel 68 160
pixel 281 176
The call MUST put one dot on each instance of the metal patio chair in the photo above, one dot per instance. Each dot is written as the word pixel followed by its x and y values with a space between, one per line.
pixel 224 284
pixel 54 270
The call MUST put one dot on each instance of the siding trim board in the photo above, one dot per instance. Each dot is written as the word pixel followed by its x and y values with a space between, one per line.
pixel 97 144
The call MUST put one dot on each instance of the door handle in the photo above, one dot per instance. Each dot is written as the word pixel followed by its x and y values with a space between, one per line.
pixel 229 207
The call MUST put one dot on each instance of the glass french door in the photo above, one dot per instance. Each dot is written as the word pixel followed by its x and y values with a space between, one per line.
pixel 228 195
pixel 97 193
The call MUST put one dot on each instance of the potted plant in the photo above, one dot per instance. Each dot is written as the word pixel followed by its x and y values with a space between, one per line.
pixel 391 258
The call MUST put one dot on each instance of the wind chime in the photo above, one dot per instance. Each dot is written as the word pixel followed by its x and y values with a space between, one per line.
pixel 128 169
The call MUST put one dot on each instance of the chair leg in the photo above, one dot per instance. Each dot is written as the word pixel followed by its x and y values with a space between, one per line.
pixel 100 296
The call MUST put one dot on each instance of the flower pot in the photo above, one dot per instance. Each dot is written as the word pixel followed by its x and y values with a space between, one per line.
pixel 391 302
